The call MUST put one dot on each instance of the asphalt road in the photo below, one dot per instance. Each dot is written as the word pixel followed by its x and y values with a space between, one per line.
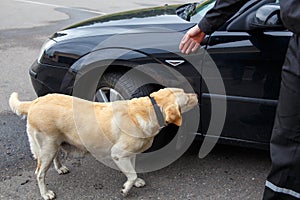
pixel 226 173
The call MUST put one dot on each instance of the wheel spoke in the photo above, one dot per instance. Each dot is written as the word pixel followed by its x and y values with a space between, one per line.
pixel 100 96
pixel 107 95
pixel 114 95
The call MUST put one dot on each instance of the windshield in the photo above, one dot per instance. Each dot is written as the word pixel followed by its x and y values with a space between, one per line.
pixel 194 12
pixel 201 10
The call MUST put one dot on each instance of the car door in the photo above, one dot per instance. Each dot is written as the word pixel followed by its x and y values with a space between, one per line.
pixel 250 64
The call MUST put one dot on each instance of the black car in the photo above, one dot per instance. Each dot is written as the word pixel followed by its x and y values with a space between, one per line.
pixel 248 51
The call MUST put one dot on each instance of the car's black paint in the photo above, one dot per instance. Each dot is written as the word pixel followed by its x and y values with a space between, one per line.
pixel 249 61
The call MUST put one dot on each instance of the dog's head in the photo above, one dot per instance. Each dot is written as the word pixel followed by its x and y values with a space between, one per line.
pixel 173 102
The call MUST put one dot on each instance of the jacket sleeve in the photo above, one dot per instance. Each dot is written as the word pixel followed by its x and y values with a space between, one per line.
pixel 290 15
pixel 219 14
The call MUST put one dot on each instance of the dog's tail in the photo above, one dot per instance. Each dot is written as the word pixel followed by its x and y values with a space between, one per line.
pixel 18 107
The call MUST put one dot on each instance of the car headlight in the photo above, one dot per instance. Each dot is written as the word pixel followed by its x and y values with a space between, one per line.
pixel 47 44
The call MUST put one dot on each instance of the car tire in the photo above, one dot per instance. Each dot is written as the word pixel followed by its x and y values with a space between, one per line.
pixel 124 85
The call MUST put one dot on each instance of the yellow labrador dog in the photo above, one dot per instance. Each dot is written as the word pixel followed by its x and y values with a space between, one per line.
pixel 125 128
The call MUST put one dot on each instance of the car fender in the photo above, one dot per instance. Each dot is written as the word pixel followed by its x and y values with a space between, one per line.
pixel 93 65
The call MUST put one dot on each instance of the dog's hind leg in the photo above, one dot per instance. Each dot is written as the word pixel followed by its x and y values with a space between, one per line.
pixel 47 154
pixel 60 168
pixel 34 146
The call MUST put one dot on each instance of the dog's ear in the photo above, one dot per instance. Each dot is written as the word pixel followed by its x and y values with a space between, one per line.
pixel 173 115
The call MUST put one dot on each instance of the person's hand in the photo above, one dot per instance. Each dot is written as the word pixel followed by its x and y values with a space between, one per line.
pixel 191 40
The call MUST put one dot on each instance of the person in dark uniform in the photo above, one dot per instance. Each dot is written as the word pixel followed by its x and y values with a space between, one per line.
pixel 283 181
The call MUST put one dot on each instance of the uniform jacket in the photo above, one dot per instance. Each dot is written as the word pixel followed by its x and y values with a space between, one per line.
pixel 219 14
pixel 290 15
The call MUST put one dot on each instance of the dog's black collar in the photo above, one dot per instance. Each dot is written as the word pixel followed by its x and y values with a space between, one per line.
pixel 158 113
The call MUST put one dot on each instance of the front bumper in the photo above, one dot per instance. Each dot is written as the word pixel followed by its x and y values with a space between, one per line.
pixel 47 79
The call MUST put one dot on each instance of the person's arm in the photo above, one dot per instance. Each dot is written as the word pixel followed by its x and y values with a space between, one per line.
pixel 219 14
pixel 214 18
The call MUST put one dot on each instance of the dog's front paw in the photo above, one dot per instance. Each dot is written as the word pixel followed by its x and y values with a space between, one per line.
pixel 139 183
pixel 63 170
pixel 124 191
pixel 126 187
pixel 48 195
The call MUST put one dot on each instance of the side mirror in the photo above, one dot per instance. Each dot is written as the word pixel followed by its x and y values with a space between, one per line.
pixel 185 10
pixel 267 18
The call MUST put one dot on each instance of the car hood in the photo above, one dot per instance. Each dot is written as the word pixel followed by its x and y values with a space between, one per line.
pixel 157 19
pixel 132 29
